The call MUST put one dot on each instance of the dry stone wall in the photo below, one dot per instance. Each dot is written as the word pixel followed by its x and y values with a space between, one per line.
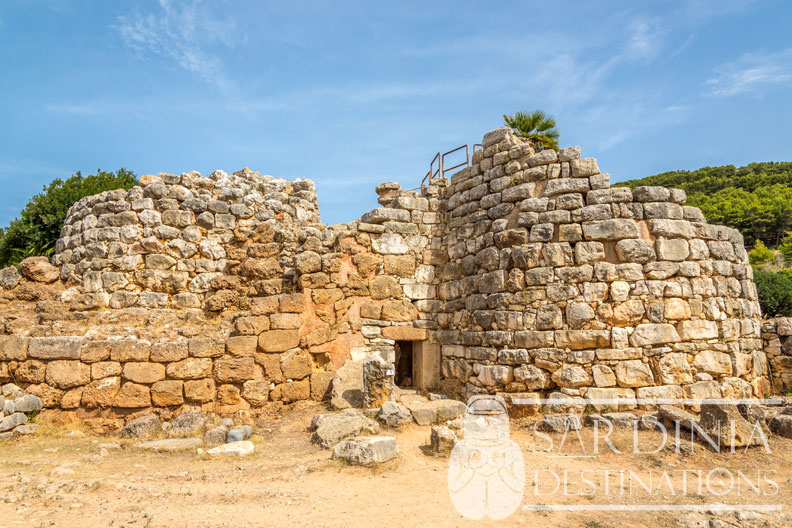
pixel 558 282
pixel 777 336
pixel 526 274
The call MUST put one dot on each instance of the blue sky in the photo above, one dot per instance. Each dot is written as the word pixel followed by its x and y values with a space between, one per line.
pixel 351 94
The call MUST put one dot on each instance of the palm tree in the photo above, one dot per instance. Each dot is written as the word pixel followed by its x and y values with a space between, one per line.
pixel 537 126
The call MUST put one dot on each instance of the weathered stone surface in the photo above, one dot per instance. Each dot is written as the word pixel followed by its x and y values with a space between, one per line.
pixel 142 428
pixel 697 329
pixel 394 414
pixel 188 423
pixel 132 396
pixel 67 374
pixel 367 450
pixel 278 340
pixel 442 439
pixel 426 413
pixel 653 334
pixel 347 387
pixel 725 423
pixel 38 269
pixel 614 229
pixel 329 429
pixel 64 347
pixel 633 373
pixel 9 277
pixel 237 449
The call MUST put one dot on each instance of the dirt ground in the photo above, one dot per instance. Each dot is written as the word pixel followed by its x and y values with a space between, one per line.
pixel 291 482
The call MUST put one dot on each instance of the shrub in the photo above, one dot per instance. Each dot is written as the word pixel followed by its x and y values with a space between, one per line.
pixel 760 254
pixel 38 227
pixel 775 292
pixel 785 247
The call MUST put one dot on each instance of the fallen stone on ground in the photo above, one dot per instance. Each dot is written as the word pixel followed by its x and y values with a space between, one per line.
pixel 432 412
pixel 188 423
pixel 215 436
pixel 142 427
pixel 329 429
pixel 237 434
pixel 561 422
pixel 366 450
pixel 781 425
pixel 442 439
pixel 394 414
pixel 240 448
pixel 673 414
pixel 724 424
pixel 346 389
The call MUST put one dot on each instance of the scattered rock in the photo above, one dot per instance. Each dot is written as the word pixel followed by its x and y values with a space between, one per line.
pixel 188 423
pixel 27 404
pixel 10 422
pixel 432 412
pixel 442 439
pixel 142 428
pixel 346 389
pixel 9 277
pixel 24 430
pixel 394 414
pixel 329 429
pixel 724 421
pixel 561 422
pixel 170 444
pixel 38 269
pixel 237 434
pixel 781 425
pixel 12 392
pixel 216 436
pixel 675 414
pixel 61 471
pixel 241 448
pixel 75 434
pixel 366 450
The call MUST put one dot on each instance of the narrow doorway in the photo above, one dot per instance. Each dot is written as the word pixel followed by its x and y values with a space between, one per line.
pixel 404 364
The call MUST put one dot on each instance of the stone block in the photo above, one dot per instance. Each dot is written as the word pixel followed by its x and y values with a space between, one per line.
pixel 61 347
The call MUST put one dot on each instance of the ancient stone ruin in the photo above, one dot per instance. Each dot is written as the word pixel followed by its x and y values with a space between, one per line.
pixel 526 275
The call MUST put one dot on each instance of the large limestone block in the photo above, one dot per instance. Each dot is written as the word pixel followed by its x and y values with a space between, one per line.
pixel 278 340
pixel 634 373
pixel 235 370
pixel 713 362
pixel 67 374
pixel 61 347
pixel 14 348
pixel 635 250
pixel 38 269
pixel 146 373
pixel 191 368
pixel 364 451
pixel 389 244
pixel 101 392
pixel 132 396
pixel 653 334
pixel 614 229
pixel 582 339
pixel 329 429
pixel 673 369
pixel 572 376
pixel 347 386
pixel 697 329
pixel 676 249
pixel 167 393
pixel 619 399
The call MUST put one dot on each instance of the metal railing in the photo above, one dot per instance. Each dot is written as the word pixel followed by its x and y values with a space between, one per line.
pixel 441 169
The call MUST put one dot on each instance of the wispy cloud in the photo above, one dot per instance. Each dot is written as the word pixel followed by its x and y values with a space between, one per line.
pixel 182 32
pixel 72 109
pixel 751 73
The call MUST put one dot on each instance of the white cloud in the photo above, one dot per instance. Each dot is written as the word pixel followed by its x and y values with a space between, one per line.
pixel 751 73
pixel 72 109
pixel 182 32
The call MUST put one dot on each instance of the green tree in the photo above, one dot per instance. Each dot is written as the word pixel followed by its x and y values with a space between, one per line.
pixel 775 292
pixel 537 126
pixel 38 227
pixel 760 254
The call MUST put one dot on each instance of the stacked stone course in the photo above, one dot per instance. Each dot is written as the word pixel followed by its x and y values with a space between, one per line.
pixel 526 274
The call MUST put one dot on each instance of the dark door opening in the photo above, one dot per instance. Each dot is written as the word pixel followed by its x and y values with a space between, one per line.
pixel 404 364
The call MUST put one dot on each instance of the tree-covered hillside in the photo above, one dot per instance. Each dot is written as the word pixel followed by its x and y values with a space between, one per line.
pixel 755 199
